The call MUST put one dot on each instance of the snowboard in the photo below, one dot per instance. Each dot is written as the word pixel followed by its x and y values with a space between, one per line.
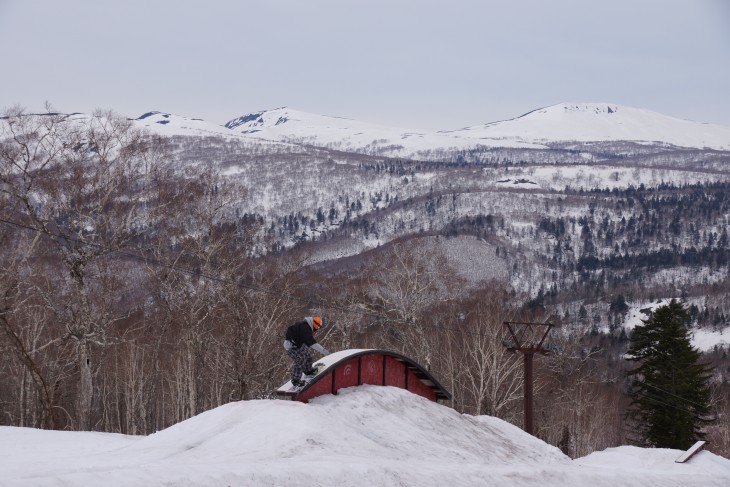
pixel 307 378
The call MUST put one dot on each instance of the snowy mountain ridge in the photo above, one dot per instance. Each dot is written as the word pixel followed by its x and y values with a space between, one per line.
pixel 566 122
pixel 288 125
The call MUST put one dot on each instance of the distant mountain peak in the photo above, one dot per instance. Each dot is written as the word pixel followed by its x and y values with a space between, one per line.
pixel 607 108
pixel 577 108
pixel 258 120
pixel 601 122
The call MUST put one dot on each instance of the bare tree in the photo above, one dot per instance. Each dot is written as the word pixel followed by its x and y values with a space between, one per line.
pixel 579 404
pixel 84 184
pixel 406 281
pixel 492 378
pixel 22 324
pixel 258 310
pixel 718 434
pixel 207 255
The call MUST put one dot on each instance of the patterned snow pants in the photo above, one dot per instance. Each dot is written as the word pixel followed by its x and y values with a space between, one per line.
pixel 302 358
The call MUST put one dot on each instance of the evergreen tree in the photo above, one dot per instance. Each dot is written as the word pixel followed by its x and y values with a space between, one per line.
pixel 618 305
pixel 669 389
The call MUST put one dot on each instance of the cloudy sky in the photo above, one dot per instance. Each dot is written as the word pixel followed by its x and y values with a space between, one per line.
pixel 421 64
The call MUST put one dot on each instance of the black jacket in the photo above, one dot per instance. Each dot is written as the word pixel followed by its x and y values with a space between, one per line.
pixel 300 333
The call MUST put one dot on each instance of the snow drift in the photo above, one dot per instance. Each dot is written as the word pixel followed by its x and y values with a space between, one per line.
pixel 369 435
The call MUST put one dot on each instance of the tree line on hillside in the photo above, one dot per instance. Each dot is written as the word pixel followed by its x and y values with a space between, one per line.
pixel 131 299
pixel 681 232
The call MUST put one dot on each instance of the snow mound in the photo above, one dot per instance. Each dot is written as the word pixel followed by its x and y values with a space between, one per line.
pixel 632 458
pixel 364 436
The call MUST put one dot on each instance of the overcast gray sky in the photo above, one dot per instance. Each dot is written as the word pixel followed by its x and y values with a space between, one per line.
pixel 421 64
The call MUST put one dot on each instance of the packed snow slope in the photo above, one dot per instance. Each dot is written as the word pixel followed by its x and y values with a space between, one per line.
pixel 364 436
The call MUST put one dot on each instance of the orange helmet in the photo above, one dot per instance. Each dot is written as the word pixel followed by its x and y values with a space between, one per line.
pixel 316 323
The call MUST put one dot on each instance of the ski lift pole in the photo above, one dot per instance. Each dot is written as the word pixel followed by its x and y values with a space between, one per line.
pixel 528 398
pixel 527 339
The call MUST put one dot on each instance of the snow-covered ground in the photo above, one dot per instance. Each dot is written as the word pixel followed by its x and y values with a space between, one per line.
pixel 364 436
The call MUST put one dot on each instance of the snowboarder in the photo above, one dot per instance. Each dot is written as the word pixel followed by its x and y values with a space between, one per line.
pixel 299 339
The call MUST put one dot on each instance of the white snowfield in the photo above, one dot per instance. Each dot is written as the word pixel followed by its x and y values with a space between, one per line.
pixel 364 436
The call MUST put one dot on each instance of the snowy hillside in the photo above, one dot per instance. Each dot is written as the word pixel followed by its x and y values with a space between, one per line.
pixel 287 125
pixel 704 339
pixel 586 122
pixel 364 436
pixel 192 129
pixel 169 124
